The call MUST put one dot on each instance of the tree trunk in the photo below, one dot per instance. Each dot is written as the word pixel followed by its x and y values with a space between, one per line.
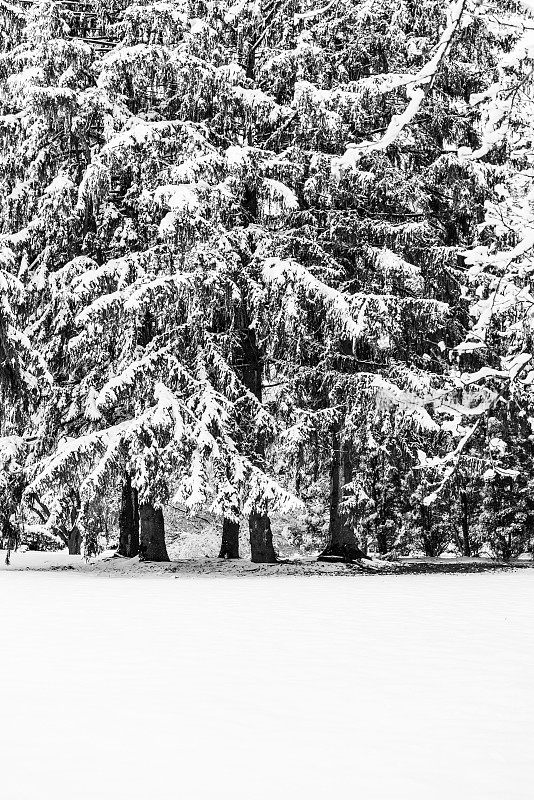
pixel 316 457
pixel 251 370
pixel 466 544
pixel 152 534
pixel 74 542
pixel 128 521
pixel 299 469
pixel 230 539
pixel 261 539
pixel 136 524
pixel 334 528
pixel 428 540
pixel 343 542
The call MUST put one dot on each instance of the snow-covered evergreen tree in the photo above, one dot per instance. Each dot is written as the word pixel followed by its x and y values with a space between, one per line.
pixel 489 407
pixel 251 249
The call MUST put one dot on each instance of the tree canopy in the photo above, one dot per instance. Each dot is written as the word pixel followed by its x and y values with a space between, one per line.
pixel 269 257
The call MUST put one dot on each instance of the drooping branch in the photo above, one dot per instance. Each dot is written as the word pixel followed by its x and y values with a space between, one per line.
pixel 314 12
pixel 417 86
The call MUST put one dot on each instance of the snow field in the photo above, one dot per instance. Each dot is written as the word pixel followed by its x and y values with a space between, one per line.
pixel 390 688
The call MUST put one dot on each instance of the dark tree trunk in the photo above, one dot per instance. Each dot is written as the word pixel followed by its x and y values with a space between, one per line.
pixel 382 543
pixel 343 542
pixel 431 550
pixel 251 370
pixel 377 493
pixel 128 521
pixel 152 534
pixel 230 539
pixel 261 539
pixel 316 457
pixel 509 549
pixel 135 503
pixel 299 469
pixel 9 540
pixel 247 360
pixel 466 543
pixel 71 532
pixel 74 542
pixel 334 528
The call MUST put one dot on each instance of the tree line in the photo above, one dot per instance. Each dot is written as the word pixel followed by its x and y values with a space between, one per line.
pixel 267 257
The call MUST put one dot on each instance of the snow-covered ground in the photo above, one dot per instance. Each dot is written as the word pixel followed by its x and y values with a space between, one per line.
pixel 107 564
pixel 392 687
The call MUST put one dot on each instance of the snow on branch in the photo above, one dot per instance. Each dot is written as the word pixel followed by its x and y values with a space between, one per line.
pixel 162 289
pixel 286 275
pixel 153 366
pixel 506 101
pixel 12 11
pixel 71 457
pixel 236 389
pixel 314 12
pixel 417 88
pixel 408 403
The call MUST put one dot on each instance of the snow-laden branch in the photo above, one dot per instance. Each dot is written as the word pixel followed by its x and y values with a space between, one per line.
pixel 287 275
pixel 507 100
pixel 314 12
pixel 417 87
pixel 12 11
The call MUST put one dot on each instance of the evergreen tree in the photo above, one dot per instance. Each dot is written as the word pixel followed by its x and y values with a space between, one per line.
pixel 255 251
pixel 489 405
